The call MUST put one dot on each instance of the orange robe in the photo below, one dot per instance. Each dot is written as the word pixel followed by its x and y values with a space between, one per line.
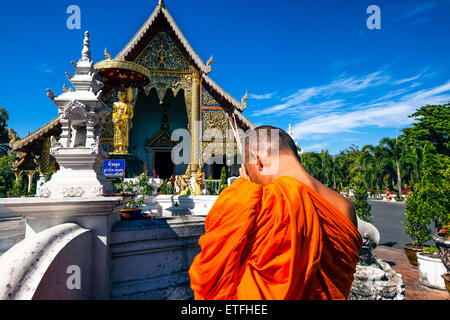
pixel 281 241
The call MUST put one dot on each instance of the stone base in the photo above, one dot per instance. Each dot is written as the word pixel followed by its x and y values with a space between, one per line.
pixel 80 175
pixel 377 282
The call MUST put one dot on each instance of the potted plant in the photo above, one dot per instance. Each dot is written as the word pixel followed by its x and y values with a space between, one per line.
pixel 223 180
pixel 210 186
pixel 166 188
pixel 442 240
pixel 430 268
pixel 417 226
pixel 142 189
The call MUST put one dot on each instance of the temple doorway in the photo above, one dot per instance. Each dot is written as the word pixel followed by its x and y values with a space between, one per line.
pixel 163 164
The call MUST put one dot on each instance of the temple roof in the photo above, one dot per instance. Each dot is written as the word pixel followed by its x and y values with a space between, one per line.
pixel 137 43
pixel 161 10
pixel 45 131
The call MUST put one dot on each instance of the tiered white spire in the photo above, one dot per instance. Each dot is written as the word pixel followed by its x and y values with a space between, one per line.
pixel 78 150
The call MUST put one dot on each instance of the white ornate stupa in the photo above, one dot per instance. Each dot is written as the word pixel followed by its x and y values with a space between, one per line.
pixel 78 151
pixel 291 133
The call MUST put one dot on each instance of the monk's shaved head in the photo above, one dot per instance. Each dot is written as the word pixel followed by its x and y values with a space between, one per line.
pixel 269 139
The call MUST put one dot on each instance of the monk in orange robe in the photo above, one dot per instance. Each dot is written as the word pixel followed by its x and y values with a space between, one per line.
pixel 276 233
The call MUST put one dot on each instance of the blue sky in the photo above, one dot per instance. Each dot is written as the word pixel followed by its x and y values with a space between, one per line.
pixel 313 64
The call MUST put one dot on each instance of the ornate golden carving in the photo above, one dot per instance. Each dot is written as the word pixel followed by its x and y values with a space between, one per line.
pixel 216 120
pixel 208 99
pixel 163 53
pixel 44 160
pixel 162 139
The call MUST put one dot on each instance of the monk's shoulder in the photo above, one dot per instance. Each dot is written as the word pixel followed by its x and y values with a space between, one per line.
pixel 341 203
pixel 241 194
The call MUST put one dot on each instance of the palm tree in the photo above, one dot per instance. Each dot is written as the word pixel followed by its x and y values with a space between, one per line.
pixel 395 148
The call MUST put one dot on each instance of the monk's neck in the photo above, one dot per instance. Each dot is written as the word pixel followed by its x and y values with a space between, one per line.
pixel 290 167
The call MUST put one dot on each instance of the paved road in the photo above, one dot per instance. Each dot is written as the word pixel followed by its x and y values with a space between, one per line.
pixel 388 219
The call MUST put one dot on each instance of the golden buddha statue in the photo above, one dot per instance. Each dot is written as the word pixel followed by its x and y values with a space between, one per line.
pixel 122 116
pixel 198 183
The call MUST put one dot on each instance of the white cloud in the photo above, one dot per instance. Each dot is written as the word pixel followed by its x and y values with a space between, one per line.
pixel 401 81
pixel 264 96
pixel 44 68
pixel 380 114
pixel 421 8
pixel 341 85
pixel 315 147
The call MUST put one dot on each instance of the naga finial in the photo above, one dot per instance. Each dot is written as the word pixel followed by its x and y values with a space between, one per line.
pixel 12 135
pixel 208 65
pixel 161 3
pixel 86 53
pixel 51 94
pixel 244 101
pixel 210 61
pixel 107 55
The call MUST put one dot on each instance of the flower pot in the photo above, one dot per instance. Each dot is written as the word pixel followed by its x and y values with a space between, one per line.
pixel 411 253
pixel 430 270
pixel 443 246
pixel 446 278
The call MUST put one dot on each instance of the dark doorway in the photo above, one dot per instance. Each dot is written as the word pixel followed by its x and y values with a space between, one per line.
pixel 216 170
pixel 163 164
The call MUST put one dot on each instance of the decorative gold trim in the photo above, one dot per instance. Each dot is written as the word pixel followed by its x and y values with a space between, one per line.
pixel 126 65
pixel 170 71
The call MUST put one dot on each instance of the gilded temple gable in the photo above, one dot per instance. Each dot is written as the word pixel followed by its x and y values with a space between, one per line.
pixel 161 16
pixel 163 54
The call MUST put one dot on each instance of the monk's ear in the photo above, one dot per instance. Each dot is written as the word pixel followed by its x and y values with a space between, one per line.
pixel 259 163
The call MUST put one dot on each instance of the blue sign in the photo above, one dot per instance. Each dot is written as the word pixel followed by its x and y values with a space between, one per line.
pixel 114 168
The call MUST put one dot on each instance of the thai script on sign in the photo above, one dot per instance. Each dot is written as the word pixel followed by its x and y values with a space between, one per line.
pixel 114 168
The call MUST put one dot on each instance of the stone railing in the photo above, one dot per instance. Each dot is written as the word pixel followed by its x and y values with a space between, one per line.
pixel 52 264
pixel 178 205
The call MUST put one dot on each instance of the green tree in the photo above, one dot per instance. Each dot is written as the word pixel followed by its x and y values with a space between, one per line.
pixel 19 187
pixel 7 177
pixel 223 180
pixel 435 186
pixel 432 124
pixel 210 186
pixel 358 183
pixel 417 224
pixel 395 149
pixel 4 139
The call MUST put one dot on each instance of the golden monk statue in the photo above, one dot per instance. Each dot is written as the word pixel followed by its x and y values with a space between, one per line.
pixel 198 183
pixel 122 116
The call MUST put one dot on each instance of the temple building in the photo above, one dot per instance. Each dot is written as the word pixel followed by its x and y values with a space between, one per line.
pixel 180 94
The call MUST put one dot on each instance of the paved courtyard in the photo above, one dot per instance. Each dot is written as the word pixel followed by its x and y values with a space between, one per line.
pixel 388 218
